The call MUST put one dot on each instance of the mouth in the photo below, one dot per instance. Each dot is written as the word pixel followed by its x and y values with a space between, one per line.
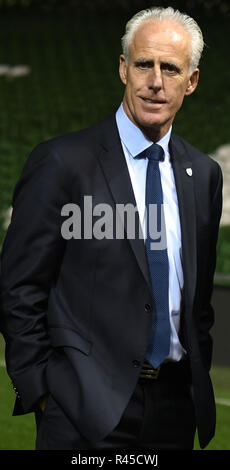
pixel 152 101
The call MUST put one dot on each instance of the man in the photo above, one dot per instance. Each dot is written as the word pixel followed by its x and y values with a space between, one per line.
pixel 108 337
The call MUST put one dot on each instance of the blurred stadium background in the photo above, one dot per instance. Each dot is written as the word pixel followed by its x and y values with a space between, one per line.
pixel 59 73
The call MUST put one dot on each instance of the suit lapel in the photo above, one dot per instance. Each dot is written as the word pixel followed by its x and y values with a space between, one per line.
pixel 116 172
pixel 186 200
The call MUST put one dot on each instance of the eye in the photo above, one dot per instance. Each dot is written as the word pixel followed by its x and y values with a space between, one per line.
pixel 144 64
pixel 171 68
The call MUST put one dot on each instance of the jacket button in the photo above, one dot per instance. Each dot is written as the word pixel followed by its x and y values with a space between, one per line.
pixel 136 363
pixel 148 308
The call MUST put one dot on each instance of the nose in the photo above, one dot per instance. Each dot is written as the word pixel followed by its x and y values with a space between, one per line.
pixel 155 80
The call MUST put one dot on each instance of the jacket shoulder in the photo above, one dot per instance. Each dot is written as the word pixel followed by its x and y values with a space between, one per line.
pixel 84 138
pixel 193 153
pixel 72 150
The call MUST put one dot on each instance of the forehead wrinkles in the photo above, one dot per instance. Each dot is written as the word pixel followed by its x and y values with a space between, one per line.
pixel 165 37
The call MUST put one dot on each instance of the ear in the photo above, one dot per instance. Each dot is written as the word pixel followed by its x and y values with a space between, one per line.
pixel 193 82
pixel 123 69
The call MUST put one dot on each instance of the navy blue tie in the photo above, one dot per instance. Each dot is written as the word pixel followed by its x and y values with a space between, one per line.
pixel 159 342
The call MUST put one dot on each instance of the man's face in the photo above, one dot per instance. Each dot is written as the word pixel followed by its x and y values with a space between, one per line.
pixel 157 75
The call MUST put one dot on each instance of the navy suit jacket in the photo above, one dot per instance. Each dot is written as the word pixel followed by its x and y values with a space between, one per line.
pixel 76 316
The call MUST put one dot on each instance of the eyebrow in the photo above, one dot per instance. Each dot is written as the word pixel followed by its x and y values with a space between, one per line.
pixel 150 63
pixel 142 61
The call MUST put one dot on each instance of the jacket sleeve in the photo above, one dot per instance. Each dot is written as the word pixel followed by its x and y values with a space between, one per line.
pixel 30 259
pixel 206 317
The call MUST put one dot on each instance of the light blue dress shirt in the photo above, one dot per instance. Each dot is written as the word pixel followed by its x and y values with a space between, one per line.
pixel 134 142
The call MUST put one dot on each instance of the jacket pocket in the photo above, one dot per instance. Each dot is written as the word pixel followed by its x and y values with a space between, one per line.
pixel 65 337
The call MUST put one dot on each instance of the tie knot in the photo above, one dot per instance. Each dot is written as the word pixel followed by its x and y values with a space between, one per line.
pixel 154 153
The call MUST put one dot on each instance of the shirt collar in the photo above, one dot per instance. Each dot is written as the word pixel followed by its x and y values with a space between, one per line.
pixel 133 138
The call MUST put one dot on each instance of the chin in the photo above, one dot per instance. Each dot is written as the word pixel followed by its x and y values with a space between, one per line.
pixel 147 122
pixel 150 119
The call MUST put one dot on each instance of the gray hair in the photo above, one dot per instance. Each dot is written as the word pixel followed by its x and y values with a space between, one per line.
pixel 159 14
